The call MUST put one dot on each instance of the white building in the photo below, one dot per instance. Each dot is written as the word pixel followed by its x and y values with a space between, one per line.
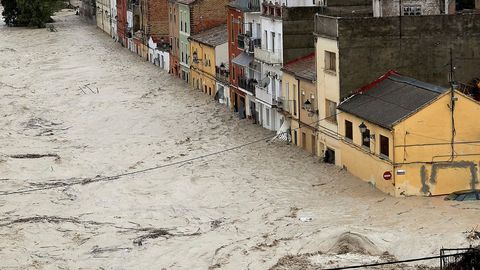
pixel 113 12
pixel 269 61
pixel 158 56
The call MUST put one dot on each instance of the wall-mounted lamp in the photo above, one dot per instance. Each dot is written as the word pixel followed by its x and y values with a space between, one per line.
pixel 307 105
pixel 362 127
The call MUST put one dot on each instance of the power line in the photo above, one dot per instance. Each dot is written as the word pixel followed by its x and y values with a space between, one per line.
pixel 117 176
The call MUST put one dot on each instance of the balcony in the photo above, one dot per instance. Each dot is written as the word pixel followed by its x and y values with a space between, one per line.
pixel 221 74
pixel 267 56
pixel 271 10
pixel 251 43
pixel 283 105
pixel 264 95
pixel 246 84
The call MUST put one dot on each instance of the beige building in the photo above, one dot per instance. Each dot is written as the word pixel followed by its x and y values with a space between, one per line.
pixel 328 87
pixel 299 102
pixel 103 16
pixel 402 136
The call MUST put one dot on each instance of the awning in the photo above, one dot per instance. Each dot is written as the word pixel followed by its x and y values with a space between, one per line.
pixel 243 60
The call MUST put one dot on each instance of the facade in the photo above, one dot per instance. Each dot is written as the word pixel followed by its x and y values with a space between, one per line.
pixel 402 136
pixel 158 54
pixel 209 52
pixel 417 46
pixel 285 34
pixel 122 23
pixel 298 102
pixel 103 15
pixel 195 16
pixel 241 92
pixel 113 19
pixel 173 33
pixel 157 20
pixel 184 49
pixel 139 39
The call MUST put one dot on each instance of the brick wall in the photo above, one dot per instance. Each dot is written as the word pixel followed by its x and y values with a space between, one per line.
pixel 233 49
pixel 122 20
pixel 206 14
pixel 157 19
pixel 173 35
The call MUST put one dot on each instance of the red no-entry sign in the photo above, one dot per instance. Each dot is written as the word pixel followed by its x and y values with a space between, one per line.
pixel 387 175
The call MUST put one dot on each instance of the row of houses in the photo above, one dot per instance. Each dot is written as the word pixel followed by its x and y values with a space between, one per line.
pixel 387 90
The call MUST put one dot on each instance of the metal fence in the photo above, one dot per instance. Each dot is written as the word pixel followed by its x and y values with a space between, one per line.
pixel 460 259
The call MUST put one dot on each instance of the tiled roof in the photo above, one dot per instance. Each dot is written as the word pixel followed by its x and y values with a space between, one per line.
pixel 303 67
pixel 390 99
pixel 213 37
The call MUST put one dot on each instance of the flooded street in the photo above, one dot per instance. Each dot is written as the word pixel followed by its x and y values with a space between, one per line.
pixel 91 174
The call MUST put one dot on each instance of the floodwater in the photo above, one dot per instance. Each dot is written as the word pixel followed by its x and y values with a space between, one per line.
pixel 81 118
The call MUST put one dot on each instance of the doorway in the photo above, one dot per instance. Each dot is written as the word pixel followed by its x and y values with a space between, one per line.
pixel 329 156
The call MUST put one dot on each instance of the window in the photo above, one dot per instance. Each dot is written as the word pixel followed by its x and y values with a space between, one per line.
pixel 266 40
pixel 348 130
pixel 304 141
pixel 232 31
pixel 384 146
pixel 330 61
pixel 412 10
pixel 267 114
pixel 294 99
pixel 331 111
pixel 273 42
pixel 366 138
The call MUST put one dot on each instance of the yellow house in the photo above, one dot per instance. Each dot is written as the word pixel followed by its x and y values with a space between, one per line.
pixel 299 103
pixel 209 54
pixel 408 137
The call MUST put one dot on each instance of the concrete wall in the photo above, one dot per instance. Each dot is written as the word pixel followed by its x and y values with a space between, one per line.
pixel 423 149
pixel 298 26
pixel 416 46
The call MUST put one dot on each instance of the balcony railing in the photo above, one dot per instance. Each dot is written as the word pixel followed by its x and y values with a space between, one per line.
pixel 246 84
pixel 222 75
pixel 264 95
pixel 251 44
pixel 268 56
pixel 283 105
